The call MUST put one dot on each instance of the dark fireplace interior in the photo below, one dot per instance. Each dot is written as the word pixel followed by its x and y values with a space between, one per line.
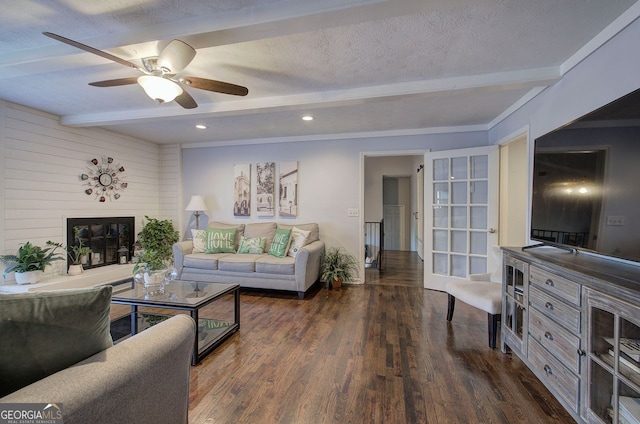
pixel 106 237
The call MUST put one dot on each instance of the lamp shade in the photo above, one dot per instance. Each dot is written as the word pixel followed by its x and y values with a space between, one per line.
pixel 196 204
pixel 159 89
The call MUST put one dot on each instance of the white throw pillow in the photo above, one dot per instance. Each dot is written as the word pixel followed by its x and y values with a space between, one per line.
pixel 298 240
pixel 199 240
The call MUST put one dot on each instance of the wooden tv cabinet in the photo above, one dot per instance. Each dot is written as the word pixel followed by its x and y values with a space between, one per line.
pixel 564 314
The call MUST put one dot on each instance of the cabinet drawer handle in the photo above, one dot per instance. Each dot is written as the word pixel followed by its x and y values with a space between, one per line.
pixel 549 282
pixel 581 352
pixel 547 370
pixel 548 336
pixel 549 306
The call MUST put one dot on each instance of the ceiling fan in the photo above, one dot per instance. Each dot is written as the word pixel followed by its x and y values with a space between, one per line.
pixel 159 80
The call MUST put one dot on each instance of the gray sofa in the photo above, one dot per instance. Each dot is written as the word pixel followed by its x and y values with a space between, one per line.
pixel 261 271
pixel 144 379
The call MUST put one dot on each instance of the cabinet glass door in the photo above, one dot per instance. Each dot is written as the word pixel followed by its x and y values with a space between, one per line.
pixel 515 274
pixel 614 360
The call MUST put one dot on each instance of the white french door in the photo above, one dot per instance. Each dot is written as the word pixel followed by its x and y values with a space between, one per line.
pixel 461 214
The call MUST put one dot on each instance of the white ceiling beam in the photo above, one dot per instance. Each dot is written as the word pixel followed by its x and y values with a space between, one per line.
pixel 247 24
pixel 502 80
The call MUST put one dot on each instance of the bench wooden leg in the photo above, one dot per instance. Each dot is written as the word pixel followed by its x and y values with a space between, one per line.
pixel 452 305
pixel 493 329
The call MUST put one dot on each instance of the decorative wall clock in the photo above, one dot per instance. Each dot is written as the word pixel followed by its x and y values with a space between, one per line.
pixel 104 178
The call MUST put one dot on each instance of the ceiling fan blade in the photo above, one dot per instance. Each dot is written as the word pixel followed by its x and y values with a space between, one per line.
pixel 115 82
pixel 216 86
pixel 92 50
pixel 186 101
pixel 176 56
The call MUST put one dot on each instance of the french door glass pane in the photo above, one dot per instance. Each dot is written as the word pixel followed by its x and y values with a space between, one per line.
pixel 459 168
pixel 478 265
pixel 459 241
pixel 441 216
pixel 479 192
pixel 440 240
pixel 478 243
pixel 459 193
pixel 458 266
pixel 441 170
pixel 459 217
pixel 441 193
pixel 479 166
pixel 440 263
pixel 478 219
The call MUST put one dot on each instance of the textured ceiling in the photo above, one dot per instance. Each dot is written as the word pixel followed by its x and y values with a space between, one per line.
pixel 357 66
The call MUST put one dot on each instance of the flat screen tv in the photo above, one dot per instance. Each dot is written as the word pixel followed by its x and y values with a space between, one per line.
pixel 586 182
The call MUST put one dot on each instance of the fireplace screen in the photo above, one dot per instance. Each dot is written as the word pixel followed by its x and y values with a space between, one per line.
pixel 104 236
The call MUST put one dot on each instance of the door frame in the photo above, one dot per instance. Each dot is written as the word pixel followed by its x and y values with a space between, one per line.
pixel 363 156
pixel 506 232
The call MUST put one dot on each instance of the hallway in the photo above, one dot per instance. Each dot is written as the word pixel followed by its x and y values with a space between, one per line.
pixel 400 267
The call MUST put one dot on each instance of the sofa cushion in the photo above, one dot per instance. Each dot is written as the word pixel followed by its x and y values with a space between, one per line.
pixel 280 243
pixel 253 245
pixel 203 260
pixel 314 230
pixel 298 241
pixel 199 238
pixel 269 264
pixel 241 262
pixel 238 227
pixel 261 229
pixel 221 240
pixel 42 333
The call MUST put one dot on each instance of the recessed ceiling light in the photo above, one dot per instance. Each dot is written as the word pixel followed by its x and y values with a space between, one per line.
pixel 201 126
pixel 307 118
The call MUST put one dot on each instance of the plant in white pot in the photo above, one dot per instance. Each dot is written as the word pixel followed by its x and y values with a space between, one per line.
pixel 156 239
pixel 30 261
pixel 77 253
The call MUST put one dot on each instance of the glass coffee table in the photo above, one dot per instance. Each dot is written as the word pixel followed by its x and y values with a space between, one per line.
pixel 222 302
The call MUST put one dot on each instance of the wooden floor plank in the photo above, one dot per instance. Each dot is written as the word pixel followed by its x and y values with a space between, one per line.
pixel 381 352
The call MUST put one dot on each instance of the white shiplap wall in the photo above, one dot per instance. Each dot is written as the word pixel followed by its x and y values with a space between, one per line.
pixel 42 162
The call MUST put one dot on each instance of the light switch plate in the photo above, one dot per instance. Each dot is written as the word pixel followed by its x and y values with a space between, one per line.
pixel 353 212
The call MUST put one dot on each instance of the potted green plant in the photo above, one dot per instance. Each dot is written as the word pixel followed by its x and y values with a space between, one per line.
pixel 156 239
pixel 30 261
pixel 77 253
pixel 337 266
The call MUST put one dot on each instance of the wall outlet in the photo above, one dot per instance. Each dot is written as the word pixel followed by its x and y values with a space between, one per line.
pixel 615 220
pixel 353 212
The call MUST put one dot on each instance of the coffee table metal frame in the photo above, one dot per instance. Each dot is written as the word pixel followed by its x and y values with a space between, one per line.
pixel 134 297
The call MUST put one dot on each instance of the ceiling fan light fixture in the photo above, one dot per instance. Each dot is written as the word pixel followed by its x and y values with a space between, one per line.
pixel 159 89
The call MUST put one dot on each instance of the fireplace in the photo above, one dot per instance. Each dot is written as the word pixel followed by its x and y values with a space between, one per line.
pixel 104 236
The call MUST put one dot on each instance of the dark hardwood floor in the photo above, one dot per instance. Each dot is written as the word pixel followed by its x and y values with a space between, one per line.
pixel 381 352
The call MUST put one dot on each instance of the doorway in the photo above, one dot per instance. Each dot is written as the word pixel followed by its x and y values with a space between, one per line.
pixel 389 200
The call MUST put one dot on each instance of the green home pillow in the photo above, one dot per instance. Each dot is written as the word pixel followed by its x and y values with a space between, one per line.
pixel 221 240
pixel 252 245
pixel 280 243
pixel 42 333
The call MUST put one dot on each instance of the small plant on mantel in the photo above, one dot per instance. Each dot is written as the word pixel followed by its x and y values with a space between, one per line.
pixel 78 250
pixel 30 257
pixel 338 265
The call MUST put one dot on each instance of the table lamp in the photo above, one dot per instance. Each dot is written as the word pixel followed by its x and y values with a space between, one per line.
pixel 196 204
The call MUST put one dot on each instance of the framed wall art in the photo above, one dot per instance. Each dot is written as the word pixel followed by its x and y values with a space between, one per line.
pixel 266 188
pixel 288 199
pixel 242 189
